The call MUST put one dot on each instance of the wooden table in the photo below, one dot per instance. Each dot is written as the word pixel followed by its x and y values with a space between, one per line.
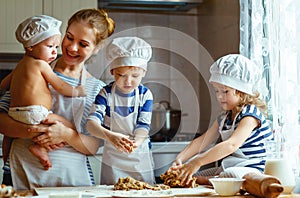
pixel 33 194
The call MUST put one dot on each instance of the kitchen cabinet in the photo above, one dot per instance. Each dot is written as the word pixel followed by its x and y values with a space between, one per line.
pixel 12 12
pixel 164 154
pixel 63 9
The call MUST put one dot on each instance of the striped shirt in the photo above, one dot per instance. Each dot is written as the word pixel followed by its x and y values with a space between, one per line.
pixel 124 105
pixel 254 146
pixel 92 88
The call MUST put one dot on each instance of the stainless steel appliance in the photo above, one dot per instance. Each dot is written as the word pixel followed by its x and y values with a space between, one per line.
pixel 165 122
pixel 149 5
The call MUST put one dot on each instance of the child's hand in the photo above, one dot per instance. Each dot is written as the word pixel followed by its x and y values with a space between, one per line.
pixel 186 172
pixel 80 91
pixel 139 138
pixel 177 162
pixel 137 142
pixel 121 142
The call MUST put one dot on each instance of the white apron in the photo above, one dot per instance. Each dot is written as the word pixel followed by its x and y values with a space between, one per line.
pixel 69 167
pixel 115 164
pixel 237 158
pixel 70 107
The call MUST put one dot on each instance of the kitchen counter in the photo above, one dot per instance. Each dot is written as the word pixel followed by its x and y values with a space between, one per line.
pixel 168 147
pixel 60 190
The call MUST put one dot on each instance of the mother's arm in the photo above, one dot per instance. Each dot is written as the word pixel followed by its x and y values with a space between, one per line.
pixel 56 132
pixel 11 128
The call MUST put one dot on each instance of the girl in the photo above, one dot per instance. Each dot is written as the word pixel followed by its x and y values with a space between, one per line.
pixel 242 126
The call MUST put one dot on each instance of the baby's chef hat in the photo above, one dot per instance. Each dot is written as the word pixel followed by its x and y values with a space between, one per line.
pixel 128 51
pixel 36 29
pixel 236 71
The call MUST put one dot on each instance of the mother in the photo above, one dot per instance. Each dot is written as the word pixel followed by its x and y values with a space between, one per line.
pixel 86 31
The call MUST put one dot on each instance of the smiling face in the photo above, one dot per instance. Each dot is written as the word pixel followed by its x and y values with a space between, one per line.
pixel 45 50
pixel 226 96
pixel 79 43
pixel 128 78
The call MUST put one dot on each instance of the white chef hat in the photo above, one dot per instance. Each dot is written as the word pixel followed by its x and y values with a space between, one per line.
pixel 236 71
pixel 128 51
pixel 36 29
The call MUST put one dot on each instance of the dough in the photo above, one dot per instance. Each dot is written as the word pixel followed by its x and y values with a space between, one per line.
pixel 7 191
pixel 171 179
pixel 128 183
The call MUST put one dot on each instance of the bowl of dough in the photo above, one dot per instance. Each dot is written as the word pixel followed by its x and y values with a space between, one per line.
pixel 226 186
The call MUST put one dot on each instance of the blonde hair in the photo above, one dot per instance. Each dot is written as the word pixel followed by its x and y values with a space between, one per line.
pixel 98 20
pixel 246 99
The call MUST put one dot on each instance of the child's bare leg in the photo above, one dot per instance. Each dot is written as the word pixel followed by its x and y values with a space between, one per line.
pixel 42 154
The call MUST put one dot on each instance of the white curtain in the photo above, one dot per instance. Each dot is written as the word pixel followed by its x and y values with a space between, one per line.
pixel 270 36
pixel 254 39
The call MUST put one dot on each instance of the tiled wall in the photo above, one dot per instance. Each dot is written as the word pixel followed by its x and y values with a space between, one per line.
pixel 184 46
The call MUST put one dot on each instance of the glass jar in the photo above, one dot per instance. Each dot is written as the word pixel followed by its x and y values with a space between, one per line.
pixel 278 164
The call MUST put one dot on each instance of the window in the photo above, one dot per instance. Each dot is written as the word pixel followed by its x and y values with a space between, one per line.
pixel 270 36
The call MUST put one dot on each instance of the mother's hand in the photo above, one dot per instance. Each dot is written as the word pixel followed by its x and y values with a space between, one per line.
pixel 53 133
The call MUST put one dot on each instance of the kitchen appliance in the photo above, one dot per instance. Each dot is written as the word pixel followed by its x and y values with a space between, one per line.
pixel 165 122
pixel 149 5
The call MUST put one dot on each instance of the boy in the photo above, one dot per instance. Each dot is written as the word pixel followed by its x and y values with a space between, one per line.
pixel 122 113
pixel 31 100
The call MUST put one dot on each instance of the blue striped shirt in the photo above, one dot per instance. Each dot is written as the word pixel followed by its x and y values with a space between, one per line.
pixel 124 105
pixel 254 146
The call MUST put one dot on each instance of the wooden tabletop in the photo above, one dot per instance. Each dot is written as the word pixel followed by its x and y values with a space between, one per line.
pixel 33 194
pixel 108 191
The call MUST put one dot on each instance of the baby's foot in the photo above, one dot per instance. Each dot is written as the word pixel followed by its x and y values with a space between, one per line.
pixel 42 154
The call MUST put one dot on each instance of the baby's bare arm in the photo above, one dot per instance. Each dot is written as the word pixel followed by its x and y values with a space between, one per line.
pixel 60 85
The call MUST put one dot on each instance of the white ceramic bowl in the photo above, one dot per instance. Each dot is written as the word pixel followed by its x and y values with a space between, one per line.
pixel 227 186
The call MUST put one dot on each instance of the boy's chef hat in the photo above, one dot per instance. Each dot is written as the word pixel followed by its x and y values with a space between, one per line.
pixel 36 29
pixel 128 51
pixel 236 71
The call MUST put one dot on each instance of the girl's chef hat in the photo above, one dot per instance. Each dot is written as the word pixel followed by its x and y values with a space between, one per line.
pixel 236 71
pixel 128 51
pixel 35 29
